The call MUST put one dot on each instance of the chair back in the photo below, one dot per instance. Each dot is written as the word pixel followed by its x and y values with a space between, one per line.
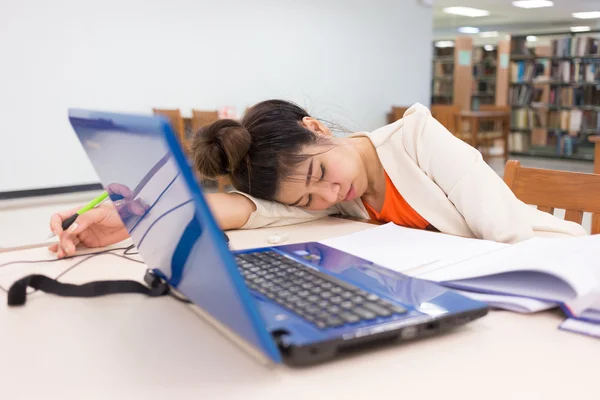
pixel 396 114
pixel 574 192
pixel 447 115
pixel 202 117
pixel 174 117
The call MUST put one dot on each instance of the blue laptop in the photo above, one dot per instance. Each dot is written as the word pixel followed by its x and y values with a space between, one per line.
pixel 299 304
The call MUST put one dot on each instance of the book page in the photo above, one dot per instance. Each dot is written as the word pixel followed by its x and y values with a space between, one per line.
pixel 407 250
pixel 576 261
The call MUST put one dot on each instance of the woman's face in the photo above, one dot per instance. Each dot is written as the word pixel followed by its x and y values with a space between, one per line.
pixel 332 175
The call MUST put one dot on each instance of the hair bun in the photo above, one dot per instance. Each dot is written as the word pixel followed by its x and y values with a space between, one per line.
pixel 219 148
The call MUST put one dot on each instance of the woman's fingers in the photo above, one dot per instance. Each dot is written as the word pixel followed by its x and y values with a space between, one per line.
pixel 83 222
pixel 120 189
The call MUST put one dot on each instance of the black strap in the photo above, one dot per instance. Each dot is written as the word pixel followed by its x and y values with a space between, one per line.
pixel 17 294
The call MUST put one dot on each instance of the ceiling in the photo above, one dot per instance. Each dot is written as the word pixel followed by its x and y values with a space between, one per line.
pixel 507 19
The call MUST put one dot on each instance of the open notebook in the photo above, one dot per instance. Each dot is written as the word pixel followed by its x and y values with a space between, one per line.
pixel 529 276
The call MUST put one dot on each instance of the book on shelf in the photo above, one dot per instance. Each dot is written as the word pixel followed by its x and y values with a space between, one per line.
pixel 522 95
pixel 518 142
pixel 592 72
pixel 518 47
pixel 580 46
pixel 442 88
pixel 445 70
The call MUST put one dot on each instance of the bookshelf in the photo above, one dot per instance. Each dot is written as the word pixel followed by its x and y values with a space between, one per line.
pixel 442 81
pixel 554 94
pixel 484 76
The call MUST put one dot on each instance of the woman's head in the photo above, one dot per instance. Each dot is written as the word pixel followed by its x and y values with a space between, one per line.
pixel 278 152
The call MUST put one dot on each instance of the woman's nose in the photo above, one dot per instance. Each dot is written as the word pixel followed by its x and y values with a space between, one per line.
pixel 330 192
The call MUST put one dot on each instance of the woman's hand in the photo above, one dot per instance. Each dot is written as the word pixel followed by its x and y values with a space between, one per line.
pixel 100 226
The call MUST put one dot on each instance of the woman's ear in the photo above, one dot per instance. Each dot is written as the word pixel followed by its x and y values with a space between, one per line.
pixel 315 126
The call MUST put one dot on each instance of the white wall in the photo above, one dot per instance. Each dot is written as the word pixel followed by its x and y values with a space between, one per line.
pixel 344 60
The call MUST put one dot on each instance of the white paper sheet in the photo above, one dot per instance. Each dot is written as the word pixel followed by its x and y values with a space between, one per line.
pixel 403 249
pixel 512 303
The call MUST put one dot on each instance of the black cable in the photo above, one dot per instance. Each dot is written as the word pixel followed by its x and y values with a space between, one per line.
pixel 87 257
pixel 127 251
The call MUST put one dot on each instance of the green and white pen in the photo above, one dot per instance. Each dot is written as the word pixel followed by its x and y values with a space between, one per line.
pixel 69 221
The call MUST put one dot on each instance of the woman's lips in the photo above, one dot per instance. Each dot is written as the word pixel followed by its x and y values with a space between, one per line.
pixel 351 194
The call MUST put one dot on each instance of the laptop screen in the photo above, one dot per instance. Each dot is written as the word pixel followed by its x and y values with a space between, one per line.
pixel 141 165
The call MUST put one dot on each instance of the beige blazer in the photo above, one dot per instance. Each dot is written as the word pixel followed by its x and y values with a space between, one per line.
pixel 443 179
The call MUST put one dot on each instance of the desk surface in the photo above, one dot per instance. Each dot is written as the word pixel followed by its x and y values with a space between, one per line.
pixel 131 346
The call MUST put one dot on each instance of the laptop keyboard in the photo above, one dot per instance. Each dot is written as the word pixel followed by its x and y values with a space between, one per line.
pixel 320 299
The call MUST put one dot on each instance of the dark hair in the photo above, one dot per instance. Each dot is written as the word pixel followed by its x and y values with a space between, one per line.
pixel 257 153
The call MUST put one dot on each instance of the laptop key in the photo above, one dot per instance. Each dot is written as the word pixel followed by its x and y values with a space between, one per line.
pixel 382 312
pixel 349 317
pixel 334 309
pixel 337 290
pixel 364 314
pixel 313 298
pixel 347 305
pixel 322 315
pixel 302 303
pixel 293 298
pixel 396 309
pixel 312 309
pixel 323 304
pixel 334 322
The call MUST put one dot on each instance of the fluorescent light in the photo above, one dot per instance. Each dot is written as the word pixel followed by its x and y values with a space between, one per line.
pixel 488 47
pixel 531 38
pixel 532 3
pixel 444 43
pixel 489 34
pixel 466 11
pixel 580 28
pixel 468 29
pixel 586 15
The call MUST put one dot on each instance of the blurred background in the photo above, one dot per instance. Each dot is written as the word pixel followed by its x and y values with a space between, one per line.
pixel 359 64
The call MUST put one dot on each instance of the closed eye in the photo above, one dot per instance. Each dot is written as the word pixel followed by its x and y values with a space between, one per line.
pixel 309 201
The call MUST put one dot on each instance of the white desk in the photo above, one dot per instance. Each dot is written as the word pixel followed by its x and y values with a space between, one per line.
pixel 134 347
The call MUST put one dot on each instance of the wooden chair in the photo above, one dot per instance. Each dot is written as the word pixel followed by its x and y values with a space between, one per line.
pixel 447 115
pixel 574 192
pixel 201 118
pixel 174 117
pixel 396 114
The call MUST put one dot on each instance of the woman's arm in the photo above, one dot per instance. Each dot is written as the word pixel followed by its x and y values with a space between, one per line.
pixel 231 210
pixel 102 226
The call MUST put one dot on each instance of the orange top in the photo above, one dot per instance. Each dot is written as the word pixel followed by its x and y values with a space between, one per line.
pixel 395 209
